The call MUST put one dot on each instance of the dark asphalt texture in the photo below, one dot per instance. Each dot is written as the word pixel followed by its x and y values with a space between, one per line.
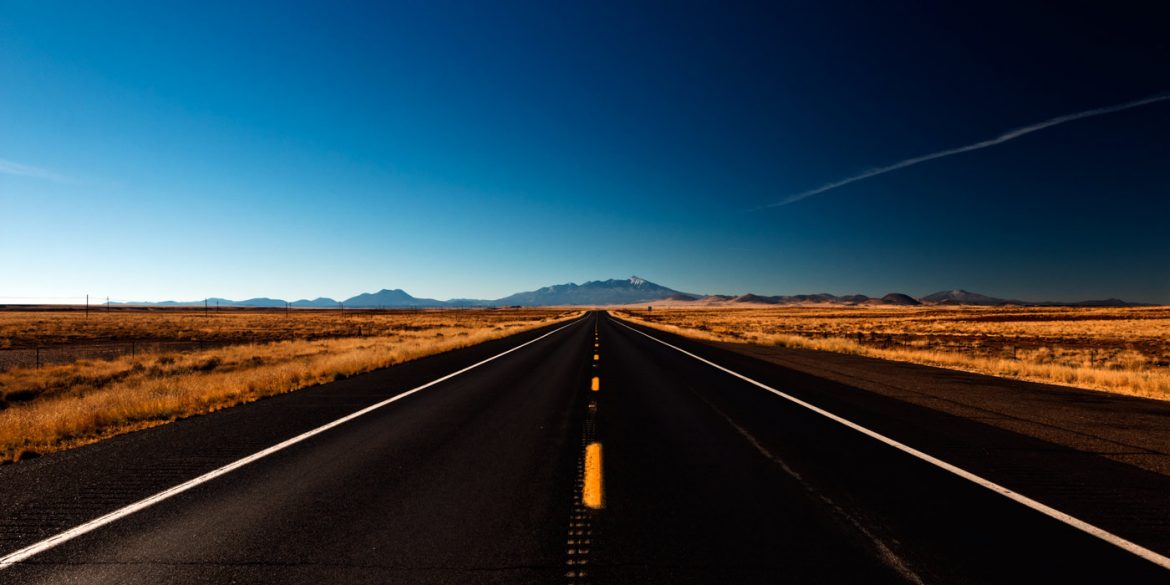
pixel 707 479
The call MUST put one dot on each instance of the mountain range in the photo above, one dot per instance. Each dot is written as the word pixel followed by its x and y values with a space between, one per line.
pixel 633 290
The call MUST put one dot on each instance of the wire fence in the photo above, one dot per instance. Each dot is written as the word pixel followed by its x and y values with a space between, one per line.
pixel 35 357
pixel 74 341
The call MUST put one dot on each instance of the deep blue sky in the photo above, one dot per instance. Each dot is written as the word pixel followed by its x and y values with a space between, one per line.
pixel 155 151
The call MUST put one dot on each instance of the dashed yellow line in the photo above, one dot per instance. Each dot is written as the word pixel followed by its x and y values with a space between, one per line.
pixel 591 492
pixel 596 357
pixel 596 385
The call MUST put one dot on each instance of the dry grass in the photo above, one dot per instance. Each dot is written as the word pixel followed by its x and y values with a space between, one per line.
pixel 1121 350
pixel 66 405
pixel 231 325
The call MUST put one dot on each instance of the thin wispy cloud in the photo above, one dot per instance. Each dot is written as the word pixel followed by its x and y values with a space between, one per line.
pixel 9 167
pixel 1006 136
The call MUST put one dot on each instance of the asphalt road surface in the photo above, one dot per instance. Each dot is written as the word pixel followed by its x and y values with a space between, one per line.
pixel 589 453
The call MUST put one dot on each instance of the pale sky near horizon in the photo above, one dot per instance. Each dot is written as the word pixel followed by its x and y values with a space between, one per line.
pixel 154 151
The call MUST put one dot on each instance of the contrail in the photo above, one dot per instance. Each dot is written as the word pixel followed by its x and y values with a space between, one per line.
pixel 1006 136
pixel 14 168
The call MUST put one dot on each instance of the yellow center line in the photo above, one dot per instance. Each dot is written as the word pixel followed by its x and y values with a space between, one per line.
pixel 591 493
pixel 596 385
pixel 596 357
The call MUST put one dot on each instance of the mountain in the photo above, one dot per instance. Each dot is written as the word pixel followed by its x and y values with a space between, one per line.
pixel 1106 303
pixel 898 299
pixel 946 297
pixel 754 298
pixel 853 299
pixel 317 303
pixel 962 297
pixel 215 302
pixel 261 302
pixel 716 298
pixel 594 292
pixel 633 290
pixel 813 298
pixel 468 303
pixel 801 299
pixel 389 298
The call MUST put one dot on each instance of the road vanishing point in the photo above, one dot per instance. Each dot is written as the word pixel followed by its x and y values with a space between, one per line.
pixel 593 451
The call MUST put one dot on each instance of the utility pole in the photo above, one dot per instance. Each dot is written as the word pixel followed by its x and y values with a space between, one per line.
pixel 87 306
pixel 107 304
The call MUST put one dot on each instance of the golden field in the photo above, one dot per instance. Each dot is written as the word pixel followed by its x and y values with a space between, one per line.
pixel 1121 350
pixel 231 325
pixel 267 353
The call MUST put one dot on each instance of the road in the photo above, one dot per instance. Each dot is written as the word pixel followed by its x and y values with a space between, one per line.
pixel 590 452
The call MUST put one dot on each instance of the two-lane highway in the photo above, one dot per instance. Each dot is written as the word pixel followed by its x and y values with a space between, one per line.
pixel 591 452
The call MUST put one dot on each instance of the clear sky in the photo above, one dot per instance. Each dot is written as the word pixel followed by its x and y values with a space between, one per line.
pixel 169 150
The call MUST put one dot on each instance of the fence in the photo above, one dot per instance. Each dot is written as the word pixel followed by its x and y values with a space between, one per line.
pixel 35 357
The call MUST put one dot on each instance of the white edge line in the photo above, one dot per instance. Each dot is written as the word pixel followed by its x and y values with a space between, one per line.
pixel 60 538
pixel 1049 511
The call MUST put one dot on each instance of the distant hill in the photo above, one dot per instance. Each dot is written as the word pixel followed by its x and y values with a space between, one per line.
pixel 754 298
pixel 1105 303
pixel 962 297
pixel 818 298
pixel 899 299
pixel 262 302
pixel 853 299
pixel 594 292
pixel 630 291
pixel 216 302
pixel 716 298
pixel 317 303
pixel 469 303
pixel 389 298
